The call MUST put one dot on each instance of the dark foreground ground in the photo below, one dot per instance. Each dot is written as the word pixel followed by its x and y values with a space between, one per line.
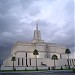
pixel 39 73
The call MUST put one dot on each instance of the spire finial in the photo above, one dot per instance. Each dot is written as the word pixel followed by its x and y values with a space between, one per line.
pixel 36 25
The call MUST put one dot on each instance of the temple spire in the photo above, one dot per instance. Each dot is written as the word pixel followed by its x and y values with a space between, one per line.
pixel 37 34
pixel 36 25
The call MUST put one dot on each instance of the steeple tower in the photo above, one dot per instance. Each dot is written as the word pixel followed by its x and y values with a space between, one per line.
pixel 37 34
pixel 36 25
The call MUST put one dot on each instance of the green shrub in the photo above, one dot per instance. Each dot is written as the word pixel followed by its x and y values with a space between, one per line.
pixel 14 69
pixel 73 70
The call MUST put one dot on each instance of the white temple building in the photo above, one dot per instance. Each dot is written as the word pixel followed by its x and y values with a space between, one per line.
pixel 23 52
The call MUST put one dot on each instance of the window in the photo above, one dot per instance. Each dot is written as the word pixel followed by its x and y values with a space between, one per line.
pixel 30 61
pixel 73 61
pixel 70 61
pixel 22 61
pixel 26 58
pixel 60 56
pixel 18 61
pixel 26 54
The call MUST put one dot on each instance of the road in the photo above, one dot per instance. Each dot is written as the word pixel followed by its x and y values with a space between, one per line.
pixel 39 73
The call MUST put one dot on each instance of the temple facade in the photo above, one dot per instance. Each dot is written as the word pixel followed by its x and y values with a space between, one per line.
pixel 23 52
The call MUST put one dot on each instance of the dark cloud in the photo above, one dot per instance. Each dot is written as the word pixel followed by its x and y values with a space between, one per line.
pixel 8 23
pixel 34 10
pixel 17 24
pixel 6 5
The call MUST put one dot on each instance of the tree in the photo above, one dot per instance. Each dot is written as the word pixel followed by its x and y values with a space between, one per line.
pixel 54 57
pixel 13 59
pixel 35 52
pixel 67 51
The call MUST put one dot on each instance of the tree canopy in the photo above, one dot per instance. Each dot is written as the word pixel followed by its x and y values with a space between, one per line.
pixel 54 57
pixel 35 52
pixel 13 59
pixel 67 51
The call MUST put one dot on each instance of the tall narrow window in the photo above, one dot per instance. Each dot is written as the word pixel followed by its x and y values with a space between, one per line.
pixel 73 61
pixel 30 61
pixel 26 59
pixel 18 61
pixel 60 56
pixel 26 54
pixel 22 61
pixel 70 61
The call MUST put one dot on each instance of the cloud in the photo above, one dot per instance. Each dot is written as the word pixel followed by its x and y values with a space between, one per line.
pixel 17 22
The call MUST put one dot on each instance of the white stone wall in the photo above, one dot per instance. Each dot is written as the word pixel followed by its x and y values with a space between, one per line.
pixel 7 64
pixel 46 61
pixel 20 50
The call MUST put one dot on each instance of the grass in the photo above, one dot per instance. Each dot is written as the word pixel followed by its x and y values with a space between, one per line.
pixel 63 69
pixel 22 70
pixel 35 70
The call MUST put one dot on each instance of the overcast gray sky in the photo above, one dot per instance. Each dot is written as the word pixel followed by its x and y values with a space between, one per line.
pixel 17 22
